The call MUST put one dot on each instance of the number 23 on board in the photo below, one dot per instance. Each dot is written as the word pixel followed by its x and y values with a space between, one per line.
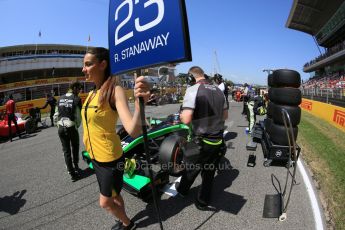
pixel 138 26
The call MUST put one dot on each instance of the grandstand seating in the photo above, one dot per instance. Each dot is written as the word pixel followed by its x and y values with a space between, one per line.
pixel 330 82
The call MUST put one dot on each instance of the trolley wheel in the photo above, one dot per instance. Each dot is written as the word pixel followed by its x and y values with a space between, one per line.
pixel 267 163
pixel 288 165
pixel 282 217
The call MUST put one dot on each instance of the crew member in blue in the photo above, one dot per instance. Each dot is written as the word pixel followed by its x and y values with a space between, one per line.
pixel 205 108
pixel 69 120
pixel 51 101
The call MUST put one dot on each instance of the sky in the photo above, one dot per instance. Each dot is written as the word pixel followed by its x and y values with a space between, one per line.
pixel 237 39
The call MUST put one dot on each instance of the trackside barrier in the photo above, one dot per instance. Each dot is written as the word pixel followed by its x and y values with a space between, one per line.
pixel 31 83
pixel 335 115
pixel 24 106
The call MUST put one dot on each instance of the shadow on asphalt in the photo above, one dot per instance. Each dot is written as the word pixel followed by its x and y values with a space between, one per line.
pixel 84 173
pixel 226 201
pixel 229 145
pixel 39 129
pixel 4 140
pixel 16 138
pixel 229 136
pixel 221 200
pixel 12 204
pixel 25 136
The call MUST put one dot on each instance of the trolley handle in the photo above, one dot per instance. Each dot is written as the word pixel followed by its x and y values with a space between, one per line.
pixel 293 155
pixel 289 133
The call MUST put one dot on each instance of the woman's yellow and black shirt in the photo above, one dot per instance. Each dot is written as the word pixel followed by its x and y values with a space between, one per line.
pixel 99 127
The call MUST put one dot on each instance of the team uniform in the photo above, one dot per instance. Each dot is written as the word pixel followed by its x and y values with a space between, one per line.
pixel 69 106
pixel 208 104
pixel 254 102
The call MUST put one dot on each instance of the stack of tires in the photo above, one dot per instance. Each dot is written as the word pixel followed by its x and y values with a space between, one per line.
pixel 283 93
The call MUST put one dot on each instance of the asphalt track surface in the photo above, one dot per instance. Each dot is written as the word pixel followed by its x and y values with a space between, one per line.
pixel 37 193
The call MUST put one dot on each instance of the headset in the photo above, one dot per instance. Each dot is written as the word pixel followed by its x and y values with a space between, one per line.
pixel 218 78
pixel 190 79
pixel 207 77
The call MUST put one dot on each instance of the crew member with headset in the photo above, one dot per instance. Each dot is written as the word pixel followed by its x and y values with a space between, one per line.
pixel 218 78
pixel 205 108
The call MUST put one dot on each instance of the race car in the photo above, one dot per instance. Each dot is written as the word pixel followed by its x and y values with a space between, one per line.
pixel 166 137
pixel 4 129
pixel 29 124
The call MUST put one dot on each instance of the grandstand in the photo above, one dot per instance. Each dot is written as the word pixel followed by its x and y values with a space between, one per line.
pixel 325 21
pixel 31 71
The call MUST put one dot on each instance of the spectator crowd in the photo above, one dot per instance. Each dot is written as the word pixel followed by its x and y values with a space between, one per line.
pixel 324 82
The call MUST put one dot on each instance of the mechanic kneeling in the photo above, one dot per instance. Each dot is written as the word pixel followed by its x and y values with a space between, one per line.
pixel 205 108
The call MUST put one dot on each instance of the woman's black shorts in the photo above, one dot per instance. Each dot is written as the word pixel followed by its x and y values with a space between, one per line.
pixel 109 176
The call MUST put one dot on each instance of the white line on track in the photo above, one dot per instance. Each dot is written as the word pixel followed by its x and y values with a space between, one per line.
pixel 312 197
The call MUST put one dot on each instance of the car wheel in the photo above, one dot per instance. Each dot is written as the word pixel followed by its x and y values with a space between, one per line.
pixel 171 155
pixel 30 126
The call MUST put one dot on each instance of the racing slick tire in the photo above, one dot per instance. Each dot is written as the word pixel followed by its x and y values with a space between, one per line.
pixel 276 113
pixel 286 78
pixel 267 124
pixel 171 155
pixel 269 110
pixel 285 96
pixel 30 125
pixel 278 135
pixel 270 80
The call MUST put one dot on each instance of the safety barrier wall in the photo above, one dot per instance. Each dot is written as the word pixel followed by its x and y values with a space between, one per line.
pixel 31 83
pixel 335 115
pixel 24 106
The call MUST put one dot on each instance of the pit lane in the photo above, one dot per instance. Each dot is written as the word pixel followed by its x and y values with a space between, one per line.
pixel 36 192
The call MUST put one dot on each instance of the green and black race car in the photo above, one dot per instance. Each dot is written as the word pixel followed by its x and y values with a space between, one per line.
pixel 166 137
